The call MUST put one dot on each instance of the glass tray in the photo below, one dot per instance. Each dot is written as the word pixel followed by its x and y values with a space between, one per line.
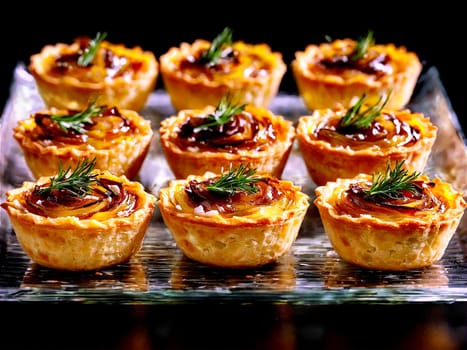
pixel 311 273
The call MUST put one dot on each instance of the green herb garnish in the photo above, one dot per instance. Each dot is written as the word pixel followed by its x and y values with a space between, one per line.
pixel 90 51
pixel 214 53
pixel 77 121
pixel 360 118
pixel 393 183
pixel 224 112
pixel 77 183
pixel 236 180
pixel 363 44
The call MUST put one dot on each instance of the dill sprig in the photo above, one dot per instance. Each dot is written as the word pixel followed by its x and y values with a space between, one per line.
pixel 360 118
pixel 241 179
pixel 77 183
pixel 214 53
pixel 90 51
pixel 392 183
pixel 77 121
pixel 363 44
pixel 224 112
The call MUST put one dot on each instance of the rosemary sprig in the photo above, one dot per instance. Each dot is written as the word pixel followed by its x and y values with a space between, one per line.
pixel 360 118
pixel 241 179
pixel 214 53
pixel 225 110
pixel 90 51
pixel 77 183
pixel 363 44
pixel 77 121
pixel 392 183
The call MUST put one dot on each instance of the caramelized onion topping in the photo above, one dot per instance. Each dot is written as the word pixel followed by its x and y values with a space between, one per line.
pixel 108 125
pixel 232 64
pixel 113 64
pixel 372 62
pixel 269 191
pixel 107 197
pixel 228 60
pixel 243 131
pixel 409 202
pixel 385 131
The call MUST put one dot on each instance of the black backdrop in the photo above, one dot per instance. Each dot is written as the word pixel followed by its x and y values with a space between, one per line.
pixel 435 33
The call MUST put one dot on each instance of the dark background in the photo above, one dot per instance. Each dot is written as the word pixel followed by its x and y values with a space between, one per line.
pixel 436 34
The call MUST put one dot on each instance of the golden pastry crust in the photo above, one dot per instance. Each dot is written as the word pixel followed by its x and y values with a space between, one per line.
pixel 321 86
pixel 264 142
pixel 328 154
pixel 253 77
pixel 119 139
pixel 252 235
pixel 78 238
pixel 118 75
pixel 389 238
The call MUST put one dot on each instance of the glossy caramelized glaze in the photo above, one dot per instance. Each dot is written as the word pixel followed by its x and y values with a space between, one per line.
pixel 239 61
pixel 111 61
pixel 390 129
pixel 101 131
pixel 425 199
pixel 337 58
pixel 108 198
pixel 252 129
pixel 271 198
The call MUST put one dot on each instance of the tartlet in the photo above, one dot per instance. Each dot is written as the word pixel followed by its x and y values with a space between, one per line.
pixel 86 219
pixel 119 139
pixel 68 75
pixel 242 227
pixel 201 73
pixel 216 138
pixel 334 145
pixel 373 227
pixel 338 72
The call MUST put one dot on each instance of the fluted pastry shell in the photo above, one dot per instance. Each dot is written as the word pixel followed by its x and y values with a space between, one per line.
pixel 254 80
pixel 324 88
pixel 398 241
pixel 261 236
pixel 268 158
pixel 79 244
pixel 74 91
pixel 327 162
pixel 121 155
